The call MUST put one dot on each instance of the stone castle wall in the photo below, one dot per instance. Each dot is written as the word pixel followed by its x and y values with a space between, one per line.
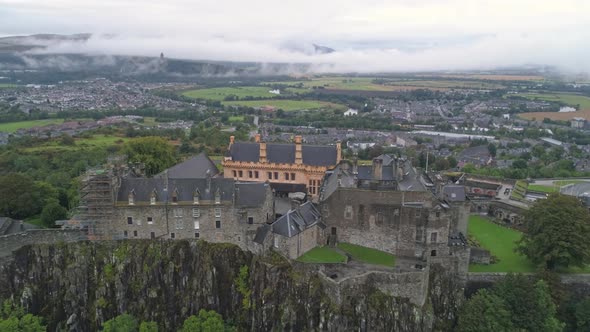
pixel 12 242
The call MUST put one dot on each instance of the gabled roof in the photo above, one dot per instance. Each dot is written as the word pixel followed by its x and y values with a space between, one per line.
pixel 313 155
pixel 198 167
pixel 454 193
pixel 297 220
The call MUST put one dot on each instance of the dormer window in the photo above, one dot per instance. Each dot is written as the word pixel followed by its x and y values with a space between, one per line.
pixel 131 197
pixel 196 196
pixel 153 198
pixel 217 197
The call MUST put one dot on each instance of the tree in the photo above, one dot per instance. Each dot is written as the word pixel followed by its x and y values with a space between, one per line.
pixel 14 319
pixel 484 312
pixel 492 149
pixel 52 212
pixel 19 197
pixel 67 140
pixel 121 323
pixel 148 327
pixel 155 153
pixel 557 232
pixel 206 321
pixel 582 315
pixel 452 161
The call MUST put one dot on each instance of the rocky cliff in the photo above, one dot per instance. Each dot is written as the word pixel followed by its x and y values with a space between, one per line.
pixel 81 285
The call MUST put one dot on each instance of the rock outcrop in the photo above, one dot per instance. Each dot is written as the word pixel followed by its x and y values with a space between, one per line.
pixel 78 286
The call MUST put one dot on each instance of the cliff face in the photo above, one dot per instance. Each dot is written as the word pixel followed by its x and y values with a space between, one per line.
pixel 81 285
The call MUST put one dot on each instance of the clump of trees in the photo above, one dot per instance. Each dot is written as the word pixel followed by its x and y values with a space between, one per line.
pixel 204 321
pixel 13 318
pixel 155 153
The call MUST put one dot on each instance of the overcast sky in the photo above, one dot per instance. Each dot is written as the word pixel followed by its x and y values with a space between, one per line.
pixel 369 35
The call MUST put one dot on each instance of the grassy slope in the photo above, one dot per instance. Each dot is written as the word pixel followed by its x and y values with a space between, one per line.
pixel 570 99
pixel 543 188
pixel 14 126
pixel 95 141
pixel 322 255
pixel 367 255
pixel 500 241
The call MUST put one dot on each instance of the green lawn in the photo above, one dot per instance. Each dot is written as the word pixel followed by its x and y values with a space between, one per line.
pixel 285 104
pixel 367 255
pixel 570 99
pixel 236 118
pixel 500 241
pixel 221 93
pixel 322 255
pixel 14 126
pixel 562 183
pixel 7 85
pixel 35 220
pixel 543 188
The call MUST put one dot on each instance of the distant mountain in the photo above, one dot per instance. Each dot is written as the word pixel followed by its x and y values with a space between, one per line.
pixel 319 49
pixel 38 41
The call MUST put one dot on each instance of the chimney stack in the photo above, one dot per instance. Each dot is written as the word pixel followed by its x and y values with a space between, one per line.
pixel 338 151
pixel 298 150
pixel 377 169
pixel 262 152
pixel 257 138
pixel 232 140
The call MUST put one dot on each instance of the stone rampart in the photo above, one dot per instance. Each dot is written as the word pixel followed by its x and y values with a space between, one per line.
pixel 12 242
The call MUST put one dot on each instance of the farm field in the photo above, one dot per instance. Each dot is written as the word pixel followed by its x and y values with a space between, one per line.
pixel 11 127
pixel 561 116
pixel 7 85
pixel 569 99
pixel 219 94
pixel 94 141
pixel 491 77
pixel 322 255
pixel 501 242
pixel 367 255
pixel 285 104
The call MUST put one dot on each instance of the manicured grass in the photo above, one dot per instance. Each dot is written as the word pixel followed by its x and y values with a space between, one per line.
pixel 11 127
pixel 322 255
pixel 221 93
pixel 237 118
pixel 500 241
pixel 285 104
pixel 367 255
pixel 519 190
pixel 543 188
pixel 36 220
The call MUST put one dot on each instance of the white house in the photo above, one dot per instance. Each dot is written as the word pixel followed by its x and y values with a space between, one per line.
pixel 276 91
pixel 351 112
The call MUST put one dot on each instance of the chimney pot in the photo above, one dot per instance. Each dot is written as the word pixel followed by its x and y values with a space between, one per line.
pixel 257 138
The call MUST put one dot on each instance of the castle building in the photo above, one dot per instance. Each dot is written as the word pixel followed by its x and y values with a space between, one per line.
pixel 287 167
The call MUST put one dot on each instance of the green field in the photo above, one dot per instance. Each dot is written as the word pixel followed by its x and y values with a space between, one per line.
pixel 94 141
pixel 367 255
pixel 286 105
pixel 570 99
pixel 543 188
pixel 239 92
pixel 500 241
pixel 236 118
pixel 14 126
pixel 322 255
pixel 7 85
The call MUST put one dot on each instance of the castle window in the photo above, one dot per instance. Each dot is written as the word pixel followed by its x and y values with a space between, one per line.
pixel 196 224
pixel 250 174
pixel 138 221
pixel 348 212
pixel 286 176
pixel 250 220
pixel 276 175
pixel 276 242
pixel 256 175
pixel 131 198
pixel 292 176
pixel 240 173
pixel 217 197
pixel 419 234
pixel 438 214
pixel 178 213
pixel 217 223
pixel 380 217
pixel 172 235
pixel 196 212
pixel 153 198
pixel 433 253
pixel 217 212
pixel 150 220
pixel 433 237
pixel 175 197
pixel 125 234
pixel 135 233
pixel 235 173
pixel 179 224
pixel 418 213
pixel 269 175
pixel 129 220
pixel 197 235
pixel 152 235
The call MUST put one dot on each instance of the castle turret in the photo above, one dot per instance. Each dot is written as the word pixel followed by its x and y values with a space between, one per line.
pixel 298 150
pixel 262 152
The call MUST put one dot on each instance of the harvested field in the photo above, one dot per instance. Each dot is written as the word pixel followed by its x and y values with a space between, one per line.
pixel 563 116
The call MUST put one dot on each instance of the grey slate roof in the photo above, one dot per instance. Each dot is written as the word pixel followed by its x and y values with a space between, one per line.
pixel 261 234
pixel 314 155
pixel 248 194
pixel 366 173
pixel 297 220
pixel 194 168
pixel 454 193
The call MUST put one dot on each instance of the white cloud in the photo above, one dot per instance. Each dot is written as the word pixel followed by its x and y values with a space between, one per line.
pixel 369 35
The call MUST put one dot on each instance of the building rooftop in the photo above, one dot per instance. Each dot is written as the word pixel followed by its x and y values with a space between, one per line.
pixel 313 155
pixel 197 167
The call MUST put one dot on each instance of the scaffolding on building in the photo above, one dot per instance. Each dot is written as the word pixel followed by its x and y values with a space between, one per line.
pixel 96 207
